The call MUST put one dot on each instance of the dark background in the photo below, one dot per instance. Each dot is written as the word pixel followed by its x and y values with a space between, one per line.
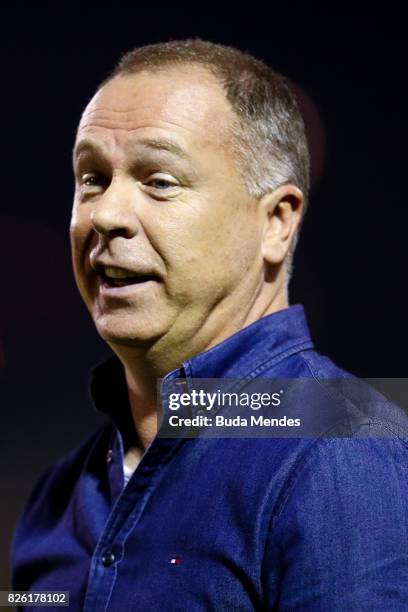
pixel 349 69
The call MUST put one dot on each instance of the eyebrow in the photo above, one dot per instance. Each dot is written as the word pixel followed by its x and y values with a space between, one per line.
pixel 157 144
pixel 86 146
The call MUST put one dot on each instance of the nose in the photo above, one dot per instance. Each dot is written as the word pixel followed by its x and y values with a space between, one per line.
pixel 115 212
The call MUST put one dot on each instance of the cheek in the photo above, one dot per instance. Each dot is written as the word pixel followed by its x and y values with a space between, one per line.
pixel 80 236
pixel 212 248
pixel 228 236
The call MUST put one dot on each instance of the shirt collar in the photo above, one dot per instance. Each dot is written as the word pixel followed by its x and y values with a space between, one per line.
pixel 268 339
pixel 276 335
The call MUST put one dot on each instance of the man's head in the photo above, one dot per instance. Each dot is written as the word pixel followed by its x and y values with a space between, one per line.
pixel 190 165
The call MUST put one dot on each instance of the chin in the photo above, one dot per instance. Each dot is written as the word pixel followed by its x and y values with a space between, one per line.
pixel 117 330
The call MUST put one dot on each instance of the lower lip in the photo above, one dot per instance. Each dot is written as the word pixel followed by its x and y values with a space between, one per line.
pixel 106 290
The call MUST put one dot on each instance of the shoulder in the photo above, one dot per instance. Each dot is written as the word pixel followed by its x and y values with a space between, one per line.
pixel 356 407
pixel 352 437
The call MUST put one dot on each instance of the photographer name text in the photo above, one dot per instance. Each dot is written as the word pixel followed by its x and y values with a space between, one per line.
pixel 237 421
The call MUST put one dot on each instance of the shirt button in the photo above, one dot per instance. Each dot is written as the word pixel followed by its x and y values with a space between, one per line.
pixel 109 456
pixel 108 558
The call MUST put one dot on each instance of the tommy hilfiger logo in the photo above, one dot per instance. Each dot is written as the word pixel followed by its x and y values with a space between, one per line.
pixel 175 560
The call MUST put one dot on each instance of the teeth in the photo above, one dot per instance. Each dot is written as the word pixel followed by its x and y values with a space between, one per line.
pixel 118 273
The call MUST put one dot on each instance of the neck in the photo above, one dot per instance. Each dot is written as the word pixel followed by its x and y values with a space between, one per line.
pixel 143 367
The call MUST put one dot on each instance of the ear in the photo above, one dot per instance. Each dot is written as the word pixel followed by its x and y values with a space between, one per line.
pixel 282 212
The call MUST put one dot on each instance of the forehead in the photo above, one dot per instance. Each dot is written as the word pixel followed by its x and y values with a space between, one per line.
pixel 186 102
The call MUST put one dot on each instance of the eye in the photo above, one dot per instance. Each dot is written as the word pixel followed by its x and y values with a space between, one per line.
pixel 93 180
pixel 161 182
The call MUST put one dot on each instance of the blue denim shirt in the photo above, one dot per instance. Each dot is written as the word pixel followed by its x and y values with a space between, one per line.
pixel 292 524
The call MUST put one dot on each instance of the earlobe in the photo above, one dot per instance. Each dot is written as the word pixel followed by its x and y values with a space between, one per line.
pixel 282 211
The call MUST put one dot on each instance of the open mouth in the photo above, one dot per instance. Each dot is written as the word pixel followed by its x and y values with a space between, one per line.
pixel 118 277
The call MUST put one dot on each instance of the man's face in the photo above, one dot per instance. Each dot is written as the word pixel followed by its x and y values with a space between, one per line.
pixel 165 238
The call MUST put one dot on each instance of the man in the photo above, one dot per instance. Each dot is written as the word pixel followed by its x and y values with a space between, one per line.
pixel 191 170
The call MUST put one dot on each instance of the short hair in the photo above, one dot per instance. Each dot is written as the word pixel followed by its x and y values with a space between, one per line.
pixel 269 134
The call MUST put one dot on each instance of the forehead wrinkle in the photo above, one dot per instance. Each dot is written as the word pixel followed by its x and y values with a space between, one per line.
pixel 159 144
pixel 100 116
pixel 123 128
